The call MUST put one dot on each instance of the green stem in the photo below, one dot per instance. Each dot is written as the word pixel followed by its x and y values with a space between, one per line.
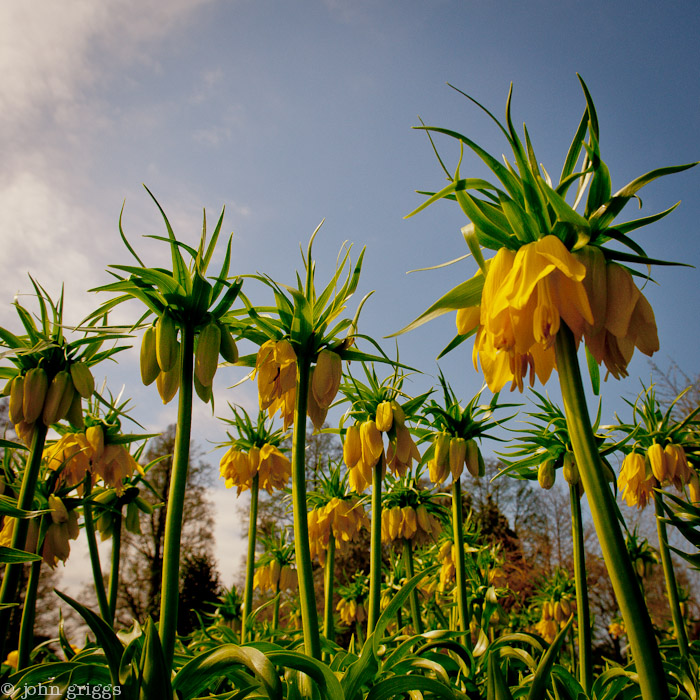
pixel 582 609
pixel 670 578
pixel 329 574
pixel 635 614
pixel 250 563
pixel 375 553
pixel 8 591
pixel 26 630
pixel 458 543
pixel 276 609
pixel 114 568
pixel 170 593
pixel 307 598
pixel 413 598
pixel 94 552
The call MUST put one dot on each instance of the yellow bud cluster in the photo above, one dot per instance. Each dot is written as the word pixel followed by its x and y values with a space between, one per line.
pixel 555 614
pixel 409 524
pixel 239 468
pixel 364 445
pixel 669 464
pixel 617 629
pixel 342 518
pixel 274 576
pixel 276 370
pixel 34 395
pixel 451 455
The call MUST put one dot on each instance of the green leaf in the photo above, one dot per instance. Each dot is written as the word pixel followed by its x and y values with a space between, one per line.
pixel 194 677
pixel 9 555
pixel 325 679
pixel 465 294
pixel 398 685
pixel 496 686
pixel 605 214
pixel 104 635
pixel 155 677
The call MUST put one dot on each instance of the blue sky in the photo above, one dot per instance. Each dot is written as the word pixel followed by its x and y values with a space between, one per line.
pixel 288 113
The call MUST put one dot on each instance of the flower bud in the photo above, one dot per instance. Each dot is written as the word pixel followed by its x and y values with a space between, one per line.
pixel 546 474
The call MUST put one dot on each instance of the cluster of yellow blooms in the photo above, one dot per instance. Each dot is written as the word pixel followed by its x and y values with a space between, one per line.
pixel 528 293
pixel 275 576
pixel 364 445
pixel 239 468
pixel 342 518
pixel 276 370
pixel 642 473
pixel 351 611
pixel 450 456
pixel 555 614
pixel 408 523
pixel 80 453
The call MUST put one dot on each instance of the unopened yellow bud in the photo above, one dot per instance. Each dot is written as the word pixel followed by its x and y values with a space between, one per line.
pixel 570 469
pixel 352 447
pixel 372 444
pixel 327 376
pixel 384 416
pixel 546 474
pixel 458 454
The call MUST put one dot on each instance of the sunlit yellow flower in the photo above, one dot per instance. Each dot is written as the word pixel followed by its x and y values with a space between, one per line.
pixel 547 629
pixel 525 297
pixel 468 319
pixel 408 523
pixel 276 370
pixel 12 658
pixel 636 481
pixel 341 518
pixel 372 444
pixel 384 416
pixel 402 451
pixel 114 466
pixel 352 447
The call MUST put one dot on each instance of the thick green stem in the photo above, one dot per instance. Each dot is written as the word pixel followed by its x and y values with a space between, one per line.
pixel 94 553
pixel 458 543
pixel 670 578
pixel 8 591
pixel 307 598
pixel 170 593
pixel 413 597
pixel 634 612
pixel 26 630
pixel 582 610
pixel 114 568
pixel 375 552
pixel 329 575
pixel 250 563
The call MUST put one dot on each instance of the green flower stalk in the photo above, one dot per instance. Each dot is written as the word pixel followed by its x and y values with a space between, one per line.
pixel 376 412
pixel 180 353
pixel 453 432
pixel 545 289
pixel 253 459
pixel 298 369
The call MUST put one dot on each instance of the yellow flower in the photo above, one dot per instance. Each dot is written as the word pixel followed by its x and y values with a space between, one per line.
pixel 239 468
pixel 114 465
pixel 623 317
pixel 525 297
pixel 12 658
pixel 352 447
pixel 276 370
pixel 71 454
pixel 635 481
pixel 63 527
pixel 616 629
pixel 347 610
pixel 326 377
pixel 402 451
pixel 384 416
pixel 468 319
pixel 372 444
